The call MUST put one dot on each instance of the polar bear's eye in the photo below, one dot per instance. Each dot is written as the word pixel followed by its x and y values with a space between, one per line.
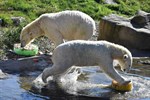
pixel 125 56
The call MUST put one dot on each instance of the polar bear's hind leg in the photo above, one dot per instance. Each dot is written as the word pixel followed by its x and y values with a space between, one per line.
pixel 55 71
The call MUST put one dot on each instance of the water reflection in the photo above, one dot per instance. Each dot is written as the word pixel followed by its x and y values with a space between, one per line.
pixel 10 89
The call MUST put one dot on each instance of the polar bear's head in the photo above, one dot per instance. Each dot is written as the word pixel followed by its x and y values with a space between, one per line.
pixel 123 56
pixel 30 32
pixel 125 62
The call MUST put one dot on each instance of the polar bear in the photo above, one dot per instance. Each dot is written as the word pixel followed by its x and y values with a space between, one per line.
pixel 68 25
pixel 89 53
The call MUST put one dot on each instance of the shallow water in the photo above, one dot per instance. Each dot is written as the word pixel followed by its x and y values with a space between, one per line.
pixel 83 84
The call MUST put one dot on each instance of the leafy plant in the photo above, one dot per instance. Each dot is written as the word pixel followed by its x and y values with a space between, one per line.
pixel 10 36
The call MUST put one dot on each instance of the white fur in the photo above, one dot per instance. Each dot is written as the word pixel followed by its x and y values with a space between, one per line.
pixel 68 25
pixel 89 53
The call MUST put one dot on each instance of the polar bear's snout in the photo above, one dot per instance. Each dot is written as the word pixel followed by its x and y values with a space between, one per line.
pixel 25 39
pixel 125 62
pixel 127 69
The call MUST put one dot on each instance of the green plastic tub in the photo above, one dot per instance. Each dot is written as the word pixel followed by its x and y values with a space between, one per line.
pixel 26 52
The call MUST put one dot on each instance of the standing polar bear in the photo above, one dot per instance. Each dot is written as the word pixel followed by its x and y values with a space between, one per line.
pixel 68 25
pixel 89 53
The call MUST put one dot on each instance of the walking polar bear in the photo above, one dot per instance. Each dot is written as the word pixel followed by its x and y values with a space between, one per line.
pixel 89 53
pixel 68 25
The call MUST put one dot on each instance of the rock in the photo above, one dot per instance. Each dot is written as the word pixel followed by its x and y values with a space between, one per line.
pixel 26 64
pixel 142 19
pixel 110 2
pixel 17 20
pixel 10 8
pixel 106 1
pixel 3 75
pixel 1 22
pixel 145 62
pixel 126 31
pixel 142 61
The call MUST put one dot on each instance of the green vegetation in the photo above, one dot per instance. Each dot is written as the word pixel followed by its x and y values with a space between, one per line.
pixel 31 9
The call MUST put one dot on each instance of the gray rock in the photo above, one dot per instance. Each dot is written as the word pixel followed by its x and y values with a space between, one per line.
pixel 26 64
pixel 1 22
pixel 110 2
pixel 17 20
pixel 142 19
pixel 130 32
pixel 10 8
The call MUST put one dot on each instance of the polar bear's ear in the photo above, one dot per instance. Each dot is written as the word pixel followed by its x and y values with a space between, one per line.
pixel 125 56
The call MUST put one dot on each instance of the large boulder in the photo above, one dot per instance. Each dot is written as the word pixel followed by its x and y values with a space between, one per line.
pixel 26 64
pixel 132 32
pixel 141 20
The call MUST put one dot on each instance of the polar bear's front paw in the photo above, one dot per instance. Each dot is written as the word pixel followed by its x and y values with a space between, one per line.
pixel 126 82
